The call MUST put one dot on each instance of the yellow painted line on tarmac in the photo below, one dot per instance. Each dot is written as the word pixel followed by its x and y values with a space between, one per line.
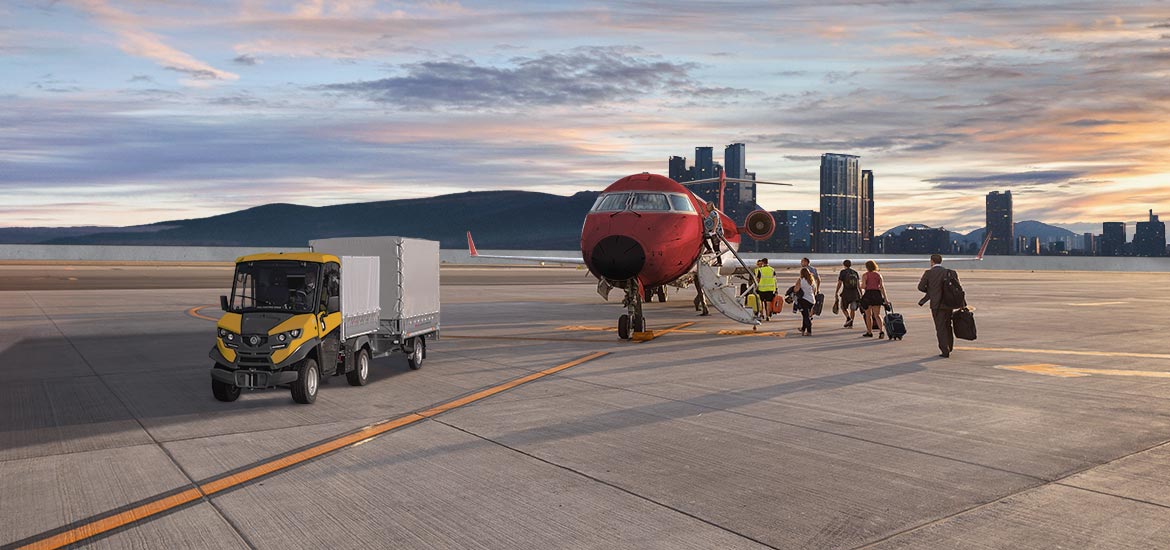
pixel 744 332
pixel 649 335
pixel 1076 372
pixel 1070 352
pixel 194 312
pixel 103 523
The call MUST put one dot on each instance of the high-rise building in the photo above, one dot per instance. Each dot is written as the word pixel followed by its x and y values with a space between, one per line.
pixel 1089 245
pixel 735 160
pixel 704 163
pixel 1150 237
pixel 918 239
pixel 999 223
pixel 678 169
pixel 796 231
pixel 867 239
pixel 1112 241
pixel 841 204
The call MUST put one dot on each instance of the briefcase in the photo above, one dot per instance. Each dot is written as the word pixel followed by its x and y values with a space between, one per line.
pixel 964 323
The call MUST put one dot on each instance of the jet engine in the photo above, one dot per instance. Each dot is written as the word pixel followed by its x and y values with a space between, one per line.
pixel 759 225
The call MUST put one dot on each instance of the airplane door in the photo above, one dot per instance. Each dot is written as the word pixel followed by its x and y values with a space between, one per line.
pixel 723 295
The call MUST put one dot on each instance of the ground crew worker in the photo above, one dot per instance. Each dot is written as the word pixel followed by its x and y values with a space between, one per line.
pixel 766 285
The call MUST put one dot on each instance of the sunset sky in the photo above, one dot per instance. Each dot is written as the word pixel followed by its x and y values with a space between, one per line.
pixel 135 111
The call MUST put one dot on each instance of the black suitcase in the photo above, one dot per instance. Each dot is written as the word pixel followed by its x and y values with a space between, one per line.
pixel 964 323
pixel 819 304
pixel 895 326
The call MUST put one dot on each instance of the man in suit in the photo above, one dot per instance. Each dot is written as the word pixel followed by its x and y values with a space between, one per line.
pixel 932 285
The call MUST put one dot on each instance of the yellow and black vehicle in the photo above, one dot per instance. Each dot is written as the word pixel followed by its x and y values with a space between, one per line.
pixel 292 319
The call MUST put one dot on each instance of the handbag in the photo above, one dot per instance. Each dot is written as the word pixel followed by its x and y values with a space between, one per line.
pixel 836 306
pixel 964 324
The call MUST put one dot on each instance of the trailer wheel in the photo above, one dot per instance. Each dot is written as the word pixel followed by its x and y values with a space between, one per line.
pixel 224 391
pixel 304 390
pixel 415 357
pixel 361 368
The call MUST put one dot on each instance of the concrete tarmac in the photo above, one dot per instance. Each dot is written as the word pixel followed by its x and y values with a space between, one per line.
pixel 1049 431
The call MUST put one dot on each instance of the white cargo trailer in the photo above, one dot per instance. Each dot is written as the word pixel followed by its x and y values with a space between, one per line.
pixel 389 292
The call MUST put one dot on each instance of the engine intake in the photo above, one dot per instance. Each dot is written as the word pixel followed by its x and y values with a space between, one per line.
pixel 759 225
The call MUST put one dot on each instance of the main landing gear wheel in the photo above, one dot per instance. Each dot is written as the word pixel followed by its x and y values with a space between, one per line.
pixel 361 368
pixel 304 389
pixel 224 392
pixel 661 294
pixel 624 327
pixel 416 353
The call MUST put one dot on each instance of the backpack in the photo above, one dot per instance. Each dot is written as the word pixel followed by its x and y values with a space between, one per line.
pixel 953 296
pixel 851 281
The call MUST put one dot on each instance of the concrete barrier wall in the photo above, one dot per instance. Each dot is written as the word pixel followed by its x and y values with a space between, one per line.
pixel 35 252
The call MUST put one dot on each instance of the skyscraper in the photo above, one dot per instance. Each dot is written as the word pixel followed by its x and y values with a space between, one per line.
pixel 868 244
pixel 735 160
pixel 1150 238
pixel 704 163
pixel 678 169
pixel 999 223
pixel 841 204
pixel 1112 242
pixel 1089 245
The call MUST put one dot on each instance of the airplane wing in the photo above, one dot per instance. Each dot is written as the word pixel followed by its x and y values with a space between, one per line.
pixel 824 262
pixel 535 259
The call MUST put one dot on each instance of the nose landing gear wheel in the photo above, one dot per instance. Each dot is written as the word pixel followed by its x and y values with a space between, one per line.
pixel 639 323
pixel 624 327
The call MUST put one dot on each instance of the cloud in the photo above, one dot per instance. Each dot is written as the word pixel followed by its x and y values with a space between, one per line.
pixel 1033 178
pixel 245 59
pixel 581 76
pixel 1090 122
pixel 141 78
pixel 138 42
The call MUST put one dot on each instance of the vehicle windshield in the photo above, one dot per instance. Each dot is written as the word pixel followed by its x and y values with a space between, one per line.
pixel 275 285
pixel 649 202
pixel 612 202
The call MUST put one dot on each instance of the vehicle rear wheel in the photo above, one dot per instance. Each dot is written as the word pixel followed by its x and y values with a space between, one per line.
pixel 224 391
pixel 624 327
pixel 304 390
pixel 361 368
pixel 414 357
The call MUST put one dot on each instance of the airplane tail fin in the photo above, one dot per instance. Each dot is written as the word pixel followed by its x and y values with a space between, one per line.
pixel 471 246
pixel 979 256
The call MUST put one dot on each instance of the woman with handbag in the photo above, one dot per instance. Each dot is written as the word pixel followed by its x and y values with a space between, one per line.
pixel 873 299
pixel 806 299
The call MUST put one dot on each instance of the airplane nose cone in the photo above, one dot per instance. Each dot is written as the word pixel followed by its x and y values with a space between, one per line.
pixel 618 258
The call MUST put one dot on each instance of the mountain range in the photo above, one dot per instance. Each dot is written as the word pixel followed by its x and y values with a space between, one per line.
pixel 1027 228
pixel 520 220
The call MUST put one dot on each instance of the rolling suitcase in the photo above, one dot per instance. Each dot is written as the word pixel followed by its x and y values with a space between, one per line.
pixel 964 323
pixel 895 325
pixel 819 305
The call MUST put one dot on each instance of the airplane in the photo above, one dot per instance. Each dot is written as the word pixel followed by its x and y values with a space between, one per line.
pixel 646 231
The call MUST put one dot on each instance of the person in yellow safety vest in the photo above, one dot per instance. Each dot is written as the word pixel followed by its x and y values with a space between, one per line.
pixel 766 285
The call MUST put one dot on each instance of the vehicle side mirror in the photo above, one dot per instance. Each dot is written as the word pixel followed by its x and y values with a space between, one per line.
pixel 334 304
pixel 223 303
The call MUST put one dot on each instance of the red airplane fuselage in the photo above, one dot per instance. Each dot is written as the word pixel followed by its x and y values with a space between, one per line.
pixel 647 228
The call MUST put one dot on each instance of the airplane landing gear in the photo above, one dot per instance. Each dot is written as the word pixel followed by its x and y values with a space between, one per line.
pixel 632 321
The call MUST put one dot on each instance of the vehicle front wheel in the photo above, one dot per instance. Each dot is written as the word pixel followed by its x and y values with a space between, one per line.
pixel 224 392
pixel 361 368
pixel 304 390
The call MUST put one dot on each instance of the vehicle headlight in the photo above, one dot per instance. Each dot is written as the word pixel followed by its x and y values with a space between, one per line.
pixel 295 333
pixel 283 337
pixel 228 337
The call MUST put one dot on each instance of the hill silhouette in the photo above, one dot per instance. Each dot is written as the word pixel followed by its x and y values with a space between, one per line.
pixel 499 219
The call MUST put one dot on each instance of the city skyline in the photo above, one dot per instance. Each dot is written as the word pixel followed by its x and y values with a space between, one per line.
pixel 129 112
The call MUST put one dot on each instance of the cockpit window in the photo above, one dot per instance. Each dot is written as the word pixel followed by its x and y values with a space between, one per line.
pixel 680 202
pixel 612 202
pixel 648 202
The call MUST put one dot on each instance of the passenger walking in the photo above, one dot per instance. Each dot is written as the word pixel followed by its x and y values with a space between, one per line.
pixel 873 299
pixel 806 297
pixel 804 263
pixel 766 285
pixel 848 292
pixel 934 283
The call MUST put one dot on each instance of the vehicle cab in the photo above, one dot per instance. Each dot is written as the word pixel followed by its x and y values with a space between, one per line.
pixel 280 325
